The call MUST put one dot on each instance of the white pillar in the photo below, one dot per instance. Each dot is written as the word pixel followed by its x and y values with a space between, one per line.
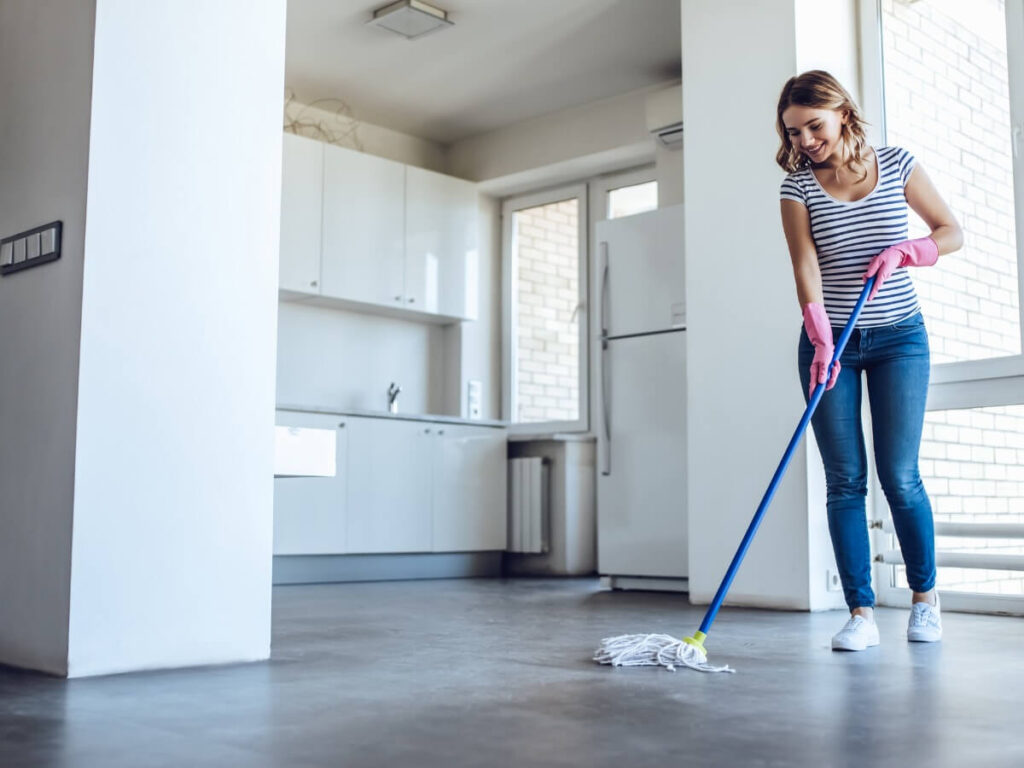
pixel 743 319
pixel 162 545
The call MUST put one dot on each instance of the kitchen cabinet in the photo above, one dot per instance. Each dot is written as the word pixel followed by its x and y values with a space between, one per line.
pixel 389 471
pixel 302 168
pixel 310 512
pixel 363 246
pixel 366 233
pixel 441 252
pixel 401 486
pixel 469 496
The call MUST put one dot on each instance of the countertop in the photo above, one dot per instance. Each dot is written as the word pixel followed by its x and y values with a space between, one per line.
pixel 426 417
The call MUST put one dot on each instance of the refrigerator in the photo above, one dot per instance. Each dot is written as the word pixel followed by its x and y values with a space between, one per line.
pixel 639 288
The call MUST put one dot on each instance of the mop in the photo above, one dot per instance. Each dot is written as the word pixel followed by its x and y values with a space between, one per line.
pixel 672 652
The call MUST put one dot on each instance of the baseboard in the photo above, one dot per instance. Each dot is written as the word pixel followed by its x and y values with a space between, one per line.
pixel 314 569
pixel 653 583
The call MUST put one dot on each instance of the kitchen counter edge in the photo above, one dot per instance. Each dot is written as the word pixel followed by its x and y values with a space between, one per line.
pixel 424 417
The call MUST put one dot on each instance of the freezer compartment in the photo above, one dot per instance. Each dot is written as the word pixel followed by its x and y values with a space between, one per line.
pixel 641 479
pixel 640 281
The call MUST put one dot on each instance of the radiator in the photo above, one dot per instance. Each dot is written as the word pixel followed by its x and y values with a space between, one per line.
pixel 528 505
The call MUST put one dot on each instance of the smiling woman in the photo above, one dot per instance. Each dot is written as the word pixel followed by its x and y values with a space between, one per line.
pixel 844 211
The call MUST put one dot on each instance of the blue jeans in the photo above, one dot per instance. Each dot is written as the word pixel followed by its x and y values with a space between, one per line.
pixel 896 361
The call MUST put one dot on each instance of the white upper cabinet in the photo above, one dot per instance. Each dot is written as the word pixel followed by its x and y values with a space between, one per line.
pixel 369 233
pixel 441 249
pixel 363 250
pixel 302 168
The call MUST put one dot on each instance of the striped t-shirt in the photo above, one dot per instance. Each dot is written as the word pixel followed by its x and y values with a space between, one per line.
pixel 848 235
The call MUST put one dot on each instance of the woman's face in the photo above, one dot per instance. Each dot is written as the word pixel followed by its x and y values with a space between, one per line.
pixel 813 131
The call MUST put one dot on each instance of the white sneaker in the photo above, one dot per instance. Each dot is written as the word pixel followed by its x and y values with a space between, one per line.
pixel 858 634
pixel 925 624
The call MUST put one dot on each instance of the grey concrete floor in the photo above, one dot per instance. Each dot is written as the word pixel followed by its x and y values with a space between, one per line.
pixel 498 673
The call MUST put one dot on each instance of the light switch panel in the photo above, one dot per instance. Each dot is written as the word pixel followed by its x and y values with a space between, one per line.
pixel 47 241
pixel 474 397
pixel 25 250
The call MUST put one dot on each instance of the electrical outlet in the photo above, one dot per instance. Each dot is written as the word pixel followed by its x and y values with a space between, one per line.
pixel 832 580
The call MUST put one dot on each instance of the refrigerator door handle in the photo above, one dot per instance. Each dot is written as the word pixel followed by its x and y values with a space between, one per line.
pixel 604 289
pixel 606 454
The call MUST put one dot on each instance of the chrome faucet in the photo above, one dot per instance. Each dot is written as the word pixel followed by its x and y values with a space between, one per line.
pixel 393 391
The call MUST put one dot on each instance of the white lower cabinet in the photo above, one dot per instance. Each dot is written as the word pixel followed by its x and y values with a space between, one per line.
pixel 468 496
pixel 389 486
pixel 309 512
pixel 401 486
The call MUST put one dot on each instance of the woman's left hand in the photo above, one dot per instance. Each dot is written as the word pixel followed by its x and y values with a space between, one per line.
pixel 922 252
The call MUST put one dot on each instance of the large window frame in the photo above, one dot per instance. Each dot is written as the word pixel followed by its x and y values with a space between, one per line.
pixel 962 384
pixel 509 309
pixel 592 194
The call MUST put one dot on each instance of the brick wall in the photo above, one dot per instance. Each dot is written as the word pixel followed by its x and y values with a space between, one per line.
pixel 547 344
pixel 972 464
pixel 947 101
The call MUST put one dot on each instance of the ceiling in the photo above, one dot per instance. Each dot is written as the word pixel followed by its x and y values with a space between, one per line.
pixel 503 61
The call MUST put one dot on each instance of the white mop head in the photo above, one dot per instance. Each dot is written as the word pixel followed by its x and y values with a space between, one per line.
pixel 653 650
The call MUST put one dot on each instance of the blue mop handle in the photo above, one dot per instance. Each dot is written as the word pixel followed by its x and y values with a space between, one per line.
pixel 709 617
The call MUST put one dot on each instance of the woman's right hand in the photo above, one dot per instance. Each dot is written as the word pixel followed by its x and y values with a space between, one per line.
pixel 819 331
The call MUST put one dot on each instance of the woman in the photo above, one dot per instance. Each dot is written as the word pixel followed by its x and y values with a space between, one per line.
pixel 844 212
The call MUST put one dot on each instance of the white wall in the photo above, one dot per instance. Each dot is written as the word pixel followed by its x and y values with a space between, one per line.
pixel 826 38
pixel 171 562
pixel 338 358
pixel 743 319
pixel 478 345
pixel 606 135
pixel 45 76
pixel 318 123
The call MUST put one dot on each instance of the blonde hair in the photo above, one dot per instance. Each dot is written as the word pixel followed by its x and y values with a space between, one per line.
pixel 819 90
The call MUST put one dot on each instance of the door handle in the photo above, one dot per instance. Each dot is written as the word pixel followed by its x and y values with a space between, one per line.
pixel 604 289
pixel 606 458
pixel 606 409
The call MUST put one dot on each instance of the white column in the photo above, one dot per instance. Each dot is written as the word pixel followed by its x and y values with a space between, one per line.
pixel 744 398
pixel 146 516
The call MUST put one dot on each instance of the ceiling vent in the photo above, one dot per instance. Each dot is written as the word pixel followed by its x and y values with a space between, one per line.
pixel 410 18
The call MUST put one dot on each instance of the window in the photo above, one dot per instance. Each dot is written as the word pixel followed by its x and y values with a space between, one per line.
pixel 635 198
pixel 972 464
pixel 946 78
pixel 545 297
pixel 545 327
pixel 947 100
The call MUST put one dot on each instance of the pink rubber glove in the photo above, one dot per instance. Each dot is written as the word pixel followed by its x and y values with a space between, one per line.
pixel 922 252
pixel 819 331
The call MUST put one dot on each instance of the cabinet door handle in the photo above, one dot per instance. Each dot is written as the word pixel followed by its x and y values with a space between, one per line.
pixel 341 425
pixel 313 283
pixel 440 431
pixel 426 431
pixel 398 298
pixel 412 301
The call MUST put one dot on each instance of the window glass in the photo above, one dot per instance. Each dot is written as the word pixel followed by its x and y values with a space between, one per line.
pixel 947 102
pixel 546 331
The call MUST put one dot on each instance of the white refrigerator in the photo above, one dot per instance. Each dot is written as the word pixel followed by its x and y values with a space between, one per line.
pixel 641 400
